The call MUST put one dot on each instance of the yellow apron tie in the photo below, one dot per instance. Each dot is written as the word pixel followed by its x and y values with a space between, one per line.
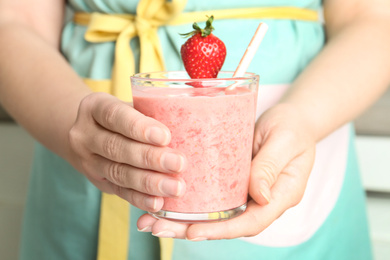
pixel 113 239
pixel 122 28
pixel 288 13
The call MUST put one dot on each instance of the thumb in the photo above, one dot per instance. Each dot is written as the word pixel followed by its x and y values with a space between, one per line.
pixel 272 157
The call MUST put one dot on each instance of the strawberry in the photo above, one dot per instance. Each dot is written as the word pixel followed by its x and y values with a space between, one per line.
pixel 203 54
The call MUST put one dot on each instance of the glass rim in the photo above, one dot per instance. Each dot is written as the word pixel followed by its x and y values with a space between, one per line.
pixel 139 77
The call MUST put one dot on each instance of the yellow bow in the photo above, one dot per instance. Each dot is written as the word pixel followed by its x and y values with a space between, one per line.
pixel 121 28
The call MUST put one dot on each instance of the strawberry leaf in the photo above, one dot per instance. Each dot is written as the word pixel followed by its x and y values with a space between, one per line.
pixel 204 32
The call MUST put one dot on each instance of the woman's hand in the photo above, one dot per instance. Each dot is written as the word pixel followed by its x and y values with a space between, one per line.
pixel 124 152
pixel 283 158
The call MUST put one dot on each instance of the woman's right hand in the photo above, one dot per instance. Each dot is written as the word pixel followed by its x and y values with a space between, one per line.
pixel 121 151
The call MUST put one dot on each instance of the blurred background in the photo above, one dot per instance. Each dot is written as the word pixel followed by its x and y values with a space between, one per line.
pixel 373 144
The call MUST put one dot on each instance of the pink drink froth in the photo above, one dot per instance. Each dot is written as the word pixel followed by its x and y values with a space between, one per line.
pixel 215 132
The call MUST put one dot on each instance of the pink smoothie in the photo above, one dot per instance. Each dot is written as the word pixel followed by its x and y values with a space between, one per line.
pixel 215 132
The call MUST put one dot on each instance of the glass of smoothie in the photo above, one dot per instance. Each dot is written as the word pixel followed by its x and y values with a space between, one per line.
pixel 212 123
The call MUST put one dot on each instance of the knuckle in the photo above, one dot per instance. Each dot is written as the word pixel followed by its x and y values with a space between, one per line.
pixel 74 137
pixel 110 113
pixel 112 145
pixel 116 173
pixel 134 125
pixel 269 170
pixel 148 156
pixel 147 183
pixel 77 132
pixel 87 102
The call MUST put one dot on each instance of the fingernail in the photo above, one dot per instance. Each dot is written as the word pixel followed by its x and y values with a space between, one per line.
pixel 151 203
pixel 172 162
pixel 197 239
pixel 166 234
pixel 145 229
pixel 157 136
pixel 171 187
pixel 265 190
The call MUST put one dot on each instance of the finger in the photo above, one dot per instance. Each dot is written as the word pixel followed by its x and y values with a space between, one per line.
pixel 120 117
pixel 267 165
pixel 118 148
pixel 250 223
pixel 162 227
pixel 169 229
pixel 145 223
pixel 138 199
pixel 294 178
pixel 144 181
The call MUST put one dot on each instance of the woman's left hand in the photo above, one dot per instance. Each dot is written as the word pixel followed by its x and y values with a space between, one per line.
pixel 284 149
